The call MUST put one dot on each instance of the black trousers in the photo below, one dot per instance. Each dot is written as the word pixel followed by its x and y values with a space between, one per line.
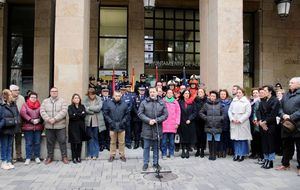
pixel 201 137
pixel 104 139
pixel 288 146
pixel 137 129
pixel 76 150
pixel 256 147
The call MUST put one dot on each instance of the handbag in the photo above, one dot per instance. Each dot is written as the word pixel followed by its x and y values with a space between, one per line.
pixel 177 139
pixel 289 124
pixel 10 122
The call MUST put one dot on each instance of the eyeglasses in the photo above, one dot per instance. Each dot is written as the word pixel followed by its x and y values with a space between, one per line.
pixel 54 91
pixel 16 90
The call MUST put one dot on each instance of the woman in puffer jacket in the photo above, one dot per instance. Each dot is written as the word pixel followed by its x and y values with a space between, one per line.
pixel 32 127
pixel 170 125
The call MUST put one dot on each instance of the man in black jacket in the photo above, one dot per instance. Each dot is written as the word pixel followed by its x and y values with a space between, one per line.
pixel 290 109
pixel 116 114
pixel 152 112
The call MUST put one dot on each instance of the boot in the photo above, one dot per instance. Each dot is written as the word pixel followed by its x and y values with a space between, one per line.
pixel 269 165
pixel 202 153
pixel 215 148
pixel 210 151
pixel 183 153
pixel 197 153
pixel 187 154
pixel 136 145
pixel 265 164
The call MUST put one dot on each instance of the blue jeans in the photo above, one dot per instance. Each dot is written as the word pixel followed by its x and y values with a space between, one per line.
pixel 93 143
pixel 33 143
pixel 270 157
pixel 216 136
pixel 146 154
pixel 168 143
pixel 6 147
pixel 241 147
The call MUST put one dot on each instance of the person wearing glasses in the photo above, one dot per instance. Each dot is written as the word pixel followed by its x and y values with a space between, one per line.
pixel 19 100
pixel 54 111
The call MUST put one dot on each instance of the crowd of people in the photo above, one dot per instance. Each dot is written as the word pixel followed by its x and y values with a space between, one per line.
pixel 165 118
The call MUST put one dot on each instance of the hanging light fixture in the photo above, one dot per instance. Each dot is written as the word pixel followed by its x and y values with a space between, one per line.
pixel 2 2
pixel 149 4
pixel 283 7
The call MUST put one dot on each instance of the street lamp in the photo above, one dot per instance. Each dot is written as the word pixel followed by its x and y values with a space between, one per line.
pixel 2 2
pixel 149 4
pixel 283 7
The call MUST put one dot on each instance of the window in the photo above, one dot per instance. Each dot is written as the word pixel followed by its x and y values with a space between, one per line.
pixel 170 38
pixel 113 38
pixel 20 46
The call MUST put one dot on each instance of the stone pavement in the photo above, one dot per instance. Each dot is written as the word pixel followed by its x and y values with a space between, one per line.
pixel 193 174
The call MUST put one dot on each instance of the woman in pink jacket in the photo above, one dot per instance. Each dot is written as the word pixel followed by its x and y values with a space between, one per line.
pixel 32 127
pixel 170 125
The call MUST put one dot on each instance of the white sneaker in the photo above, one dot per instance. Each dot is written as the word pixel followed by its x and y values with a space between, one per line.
pixel 164 157
pixel 5 166
pixel 37 160
pixel 172 157
pixel 10 165
pixel 27 162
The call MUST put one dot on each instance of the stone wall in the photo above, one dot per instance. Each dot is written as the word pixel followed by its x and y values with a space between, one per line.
pixel 279 44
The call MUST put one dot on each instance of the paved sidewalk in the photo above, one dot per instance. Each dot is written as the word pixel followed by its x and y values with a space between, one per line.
pixel 193 174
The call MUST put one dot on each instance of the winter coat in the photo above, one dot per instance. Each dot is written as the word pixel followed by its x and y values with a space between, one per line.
pixel 225 107
pixel 9 113
pixel 54 108
pixel 240 109
pixel 212 114
pixel 94 110
pixel 152 109
pixel 173 120
pixel 116 114
pixel 290 105
pixel 28 115
pixel 187 132
pixel 76 128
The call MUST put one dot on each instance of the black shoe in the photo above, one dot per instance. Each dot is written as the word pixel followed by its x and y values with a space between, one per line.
pixel 261 161
pixel 197 153
pixel 74 161
pixel 210 157
pixel 128 146
pixel 241 159
pixel 183 154
pixel 270 165
pixel 156 166
pixel 265 164
pixel 111 159
pixel 202 153
pixel 136 145
pixel 236 158
pixel 101 148
pixel 78 160
pixel 187 154
pixel 145 167
pixel 214 158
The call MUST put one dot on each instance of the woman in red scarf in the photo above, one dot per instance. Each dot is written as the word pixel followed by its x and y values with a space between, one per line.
pixel 187 130
pixel 32 127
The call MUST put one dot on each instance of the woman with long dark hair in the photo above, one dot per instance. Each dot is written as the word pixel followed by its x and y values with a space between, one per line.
pixel 266 116
pixel 187 130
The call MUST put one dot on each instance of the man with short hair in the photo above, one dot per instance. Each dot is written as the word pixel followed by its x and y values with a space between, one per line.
pixel 290 110
pixel 234 90
pixel 152 112
pixel 19 100
pixel 116 114
pixel 54 111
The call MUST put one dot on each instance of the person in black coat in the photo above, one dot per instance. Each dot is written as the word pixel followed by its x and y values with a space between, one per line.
pixel 76 130
pixel 187 129
pixel 290 110
pixel 200 100
pixel 104 135
pixel 116 113
pixel 266 116
pixel 10 125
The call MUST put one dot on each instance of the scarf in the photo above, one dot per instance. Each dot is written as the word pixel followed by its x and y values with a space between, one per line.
pixel 188 102
pixel 33 105
pixel 170 100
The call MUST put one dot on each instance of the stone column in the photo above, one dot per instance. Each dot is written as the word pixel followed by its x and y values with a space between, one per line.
pixel 136 37
pixel 221 43
pixel 41 66
pixel 72 34
pixel 94 38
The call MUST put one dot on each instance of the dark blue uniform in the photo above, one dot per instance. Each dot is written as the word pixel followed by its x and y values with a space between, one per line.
pixel 104 139
pixel 128 98
pixel 137 122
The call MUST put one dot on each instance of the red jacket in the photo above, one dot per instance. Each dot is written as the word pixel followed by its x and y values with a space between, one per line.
pixel 27 115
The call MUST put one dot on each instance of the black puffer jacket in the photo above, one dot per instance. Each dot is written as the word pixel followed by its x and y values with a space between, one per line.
pixel 212 113
pixel 9 112
pixel 116 114
pixel 290 105
pixel 152 109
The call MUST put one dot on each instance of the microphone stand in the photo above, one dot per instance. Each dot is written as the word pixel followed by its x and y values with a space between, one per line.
pixel 157 171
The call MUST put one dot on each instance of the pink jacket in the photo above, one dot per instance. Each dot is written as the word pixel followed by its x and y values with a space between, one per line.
pixel 27 114
pixel 169 125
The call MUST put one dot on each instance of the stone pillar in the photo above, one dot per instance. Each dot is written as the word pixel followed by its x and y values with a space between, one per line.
pixel 94 38
pixel 72 34
pixel 136 37
pixel 41 66
pixel 221 43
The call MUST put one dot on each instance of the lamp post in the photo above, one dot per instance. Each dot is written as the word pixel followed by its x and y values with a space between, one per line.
pixel 149 4
pixel 2 2
pixel 283 7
